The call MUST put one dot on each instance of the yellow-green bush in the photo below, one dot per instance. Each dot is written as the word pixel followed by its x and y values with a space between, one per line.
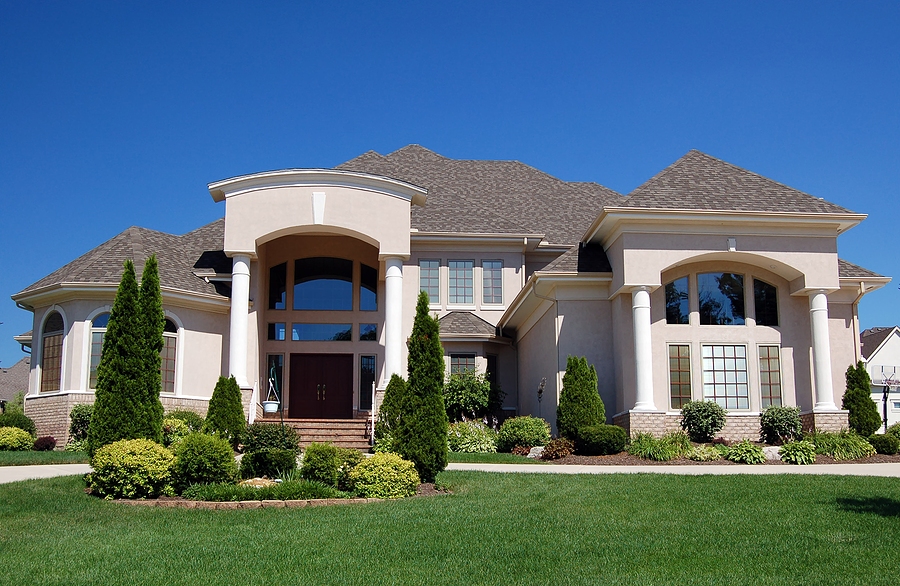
pixel 13 439
pixel 131 469
pixel 385 476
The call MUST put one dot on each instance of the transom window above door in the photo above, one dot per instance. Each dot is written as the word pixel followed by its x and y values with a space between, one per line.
pixel 323 283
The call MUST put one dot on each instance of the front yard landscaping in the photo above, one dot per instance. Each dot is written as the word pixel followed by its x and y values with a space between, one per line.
pixel 493 529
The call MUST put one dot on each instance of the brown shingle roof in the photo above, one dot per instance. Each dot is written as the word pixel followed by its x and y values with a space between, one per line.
pixel 464 323
pixel 485 197
pixel 852 271
pixel 14 379
pixel 698 181
pixel 871 339
pixel 587 258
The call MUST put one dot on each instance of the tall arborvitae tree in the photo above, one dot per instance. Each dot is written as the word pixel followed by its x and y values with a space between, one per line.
pixel 580 404
pixel 863 416
pixel 390 410
pixel 421 434
pixel 153 322
pixel 225 415
pixel 120 395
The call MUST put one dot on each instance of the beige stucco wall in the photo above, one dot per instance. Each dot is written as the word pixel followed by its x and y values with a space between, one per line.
pixel 538 359
pixel 586 330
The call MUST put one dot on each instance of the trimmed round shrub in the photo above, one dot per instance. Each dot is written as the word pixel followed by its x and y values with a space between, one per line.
pixel 778 425
pixel 174 430
pixel 203 459
pixel 580 404
pixel 894 430
pixel 15 439
pixel 524 431
pixel 328 464
pixel 19 420
pixel 267 436
pixel 558 448
pixel 131 469
pixel 268 462
pixel 45 443
pixel 384 476
pixel 744 452
pixel 703 454
pixel 193 420
pixel 471 437
pixel 702 420
pixel 885 444
pixel 600 440
pixel 80 421
pixel 798 452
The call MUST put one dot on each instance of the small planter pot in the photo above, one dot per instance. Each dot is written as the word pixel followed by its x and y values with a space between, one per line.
pixel 270 406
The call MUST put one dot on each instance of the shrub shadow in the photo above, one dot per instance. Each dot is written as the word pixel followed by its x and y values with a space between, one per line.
pixel 882 506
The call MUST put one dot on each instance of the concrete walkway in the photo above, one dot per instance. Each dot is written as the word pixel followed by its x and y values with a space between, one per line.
pixel 16 473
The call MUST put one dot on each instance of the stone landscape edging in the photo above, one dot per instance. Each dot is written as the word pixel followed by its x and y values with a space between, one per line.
pixel 234 505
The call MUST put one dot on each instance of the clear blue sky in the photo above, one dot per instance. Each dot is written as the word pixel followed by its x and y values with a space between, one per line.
pixel 119 114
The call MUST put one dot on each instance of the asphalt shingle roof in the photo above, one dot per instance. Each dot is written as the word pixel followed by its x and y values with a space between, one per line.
pixel 587 258
pixel 871 339
pixel 698 181
pixel 14 379
pixel 852 271
pixel 462 323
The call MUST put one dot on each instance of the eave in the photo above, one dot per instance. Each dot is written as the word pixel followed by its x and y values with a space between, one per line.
pixel 60 292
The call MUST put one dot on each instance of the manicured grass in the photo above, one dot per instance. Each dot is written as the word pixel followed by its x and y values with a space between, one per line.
pixel 32 458
pixel 494 529
pixel 492 459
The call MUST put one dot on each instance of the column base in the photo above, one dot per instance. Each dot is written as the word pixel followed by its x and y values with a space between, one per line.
pixel 656 423
pixel 825 420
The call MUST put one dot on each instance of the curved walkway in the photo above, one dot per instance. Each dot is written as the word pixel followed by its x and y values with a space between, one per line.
pixel 16 473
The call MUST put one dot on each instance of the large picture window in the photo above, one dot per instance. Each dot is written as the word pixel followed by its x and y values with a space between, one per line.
pixel 721 299
pixel 462 281
pixel 323 283
pixel 725 376
pixel 677 302
pixel 51 353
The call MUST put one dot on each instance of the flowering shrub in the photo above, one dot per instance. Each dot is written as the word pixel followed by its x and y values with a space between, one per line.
pixel 471 437
pixel 131 469
pixel 386 476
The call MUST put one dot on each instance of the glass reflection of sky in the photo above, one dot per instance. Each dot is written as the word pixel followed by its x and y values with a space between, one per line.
pixel 721 298
pixel 320 332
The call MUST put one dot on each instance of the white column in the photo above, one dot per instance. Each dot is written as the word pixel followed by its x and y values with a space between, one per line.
pixel 818 318
pixel 240 304
pixel 393 316
pixel 643 351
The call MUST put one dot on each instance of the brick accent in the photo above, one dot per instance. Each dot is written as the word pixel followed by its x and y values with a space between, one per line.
pixel 825 421
pixel 658 423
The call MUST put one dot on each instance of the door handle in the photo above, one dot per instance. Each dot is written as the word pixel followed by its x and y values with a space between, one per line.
pixel 323 392
pixel 318 392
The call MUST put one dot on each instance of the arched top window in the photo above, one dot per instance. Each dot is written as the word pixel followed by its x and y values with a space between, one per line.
pixel 765 301
pixel 323 283
pixel 98 331
pixel 168 356
pixel 51 353
pixel 677 302
pixel 368 288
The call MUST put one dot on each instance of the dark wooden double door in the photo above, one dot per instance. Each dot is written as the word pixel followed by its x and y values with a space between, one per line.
pixel 321 386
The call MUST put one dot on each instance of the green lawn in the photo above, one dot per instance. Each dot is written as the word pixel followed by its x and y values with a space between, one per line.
pixel 494 529
pixel 492 459
pixel 30 458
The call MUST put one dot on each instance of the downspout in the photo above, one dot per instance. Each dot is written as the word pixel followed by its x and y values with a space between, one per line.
pixel 855 312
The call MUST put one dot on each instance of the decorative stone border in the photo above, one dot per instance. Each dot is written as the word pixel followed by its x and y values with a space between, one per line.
pixel 234 505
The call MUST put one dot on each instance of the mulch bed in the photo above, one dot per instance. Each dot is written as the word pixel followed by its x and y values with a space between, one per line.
pixel 626 459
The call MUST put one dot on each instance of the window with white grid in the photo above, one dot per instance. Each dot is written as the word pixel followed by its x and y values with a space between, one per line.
pixel 725 376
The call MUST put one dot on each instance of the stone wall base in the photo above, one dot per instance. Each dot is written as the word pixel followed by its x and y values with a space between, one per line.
pixel 825 420
pixel 51 413
pixel 658 423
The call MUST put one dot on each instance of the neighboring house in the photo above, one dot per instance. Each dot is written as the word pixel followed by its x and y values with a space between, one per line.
pixel 881 351
pixel 14 379
pixel 706 282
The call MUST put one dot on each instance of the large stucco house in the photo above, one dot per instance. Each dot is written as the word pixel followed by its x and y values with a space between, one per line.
pixel 706 282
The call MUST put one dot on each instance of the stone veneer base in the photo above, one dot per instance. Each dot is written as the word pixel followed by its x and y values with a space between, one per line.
pixel 658 423
pixel 825 420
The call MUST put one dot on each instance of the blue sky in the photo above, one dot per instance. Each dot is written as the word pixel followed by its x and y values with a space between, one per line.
pixel 119 114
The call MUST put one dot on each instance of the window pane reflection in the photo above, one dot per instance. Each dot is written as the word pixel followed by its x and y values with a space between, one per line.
pixel 721 299
pixel 368 288
pixel 677 306
pixel 323 283
pixel 321 332
pixel 765 303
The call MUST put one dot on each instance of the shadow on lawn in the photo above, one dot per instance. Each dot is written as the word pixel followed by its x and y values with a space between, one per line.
pixel 879 505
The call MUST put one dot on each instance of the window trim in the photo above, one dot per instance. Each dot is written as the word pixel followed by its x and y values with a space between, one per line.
pixel 467 302
pixel 690 371
pixel 456 356
pixel 62 350
pixel 431 302
pixel 493 304
pixel 759 359
pixel 746 371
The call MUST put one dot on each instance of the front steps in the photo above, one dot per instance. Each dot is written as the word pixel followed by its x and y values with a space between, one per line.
pixel 344 433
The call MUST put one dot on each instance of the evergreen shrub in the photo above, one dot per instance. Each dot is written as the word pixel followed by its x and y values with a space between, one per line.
pixel 268 462
pixel 798 452
pixel 384 444
pixel 863 414
pixel 391 408
pixel 384 476
pixel 601 440
pixel 19 420
pixel 45 443
pixel 471 437
pixel 558 448
pixel 894 430
pixel 152 323
pixel 80 421
pixel 467 394
pixel 77 446
pixel 702 420
pixel 131 469
pixel 15 439
pixel 524 431
pixel 174 430
pixel 580 404
pixel 328 464
pixel 778 425
pixel 225 416
pixel 745 452
pixel 843 445
pixel 288 490
pixel 264 436
pixel 885 444
pixel 193 420
pixel 203 459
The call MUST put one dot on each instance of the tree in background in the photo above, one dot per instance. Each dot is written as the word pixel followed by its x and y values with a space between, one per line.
pixel 863 416
pixel 225 416
pixel 580 404
pixel 120 394
pixel 153 321
pixel 421 434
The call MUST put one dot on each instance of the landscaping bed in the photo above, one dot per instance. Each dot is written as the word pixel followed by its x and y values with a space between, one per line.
pixel 626 459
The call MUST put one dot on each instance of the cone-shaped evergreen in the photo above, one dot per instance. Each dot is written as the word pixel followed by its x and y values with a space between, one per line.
pixel 389 412
pixel 580 404
pixel 153 322
pixel 421 435
pixel 225 415
pixel 863 417
pixel 120 394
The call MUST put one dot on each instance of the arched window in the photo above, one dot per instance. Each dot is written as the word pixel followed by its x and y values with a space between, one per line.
pixel 51 353
pixel 168 354
pixel 322 283
pixel 766 303
pixel 98 331
pixel 677 302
